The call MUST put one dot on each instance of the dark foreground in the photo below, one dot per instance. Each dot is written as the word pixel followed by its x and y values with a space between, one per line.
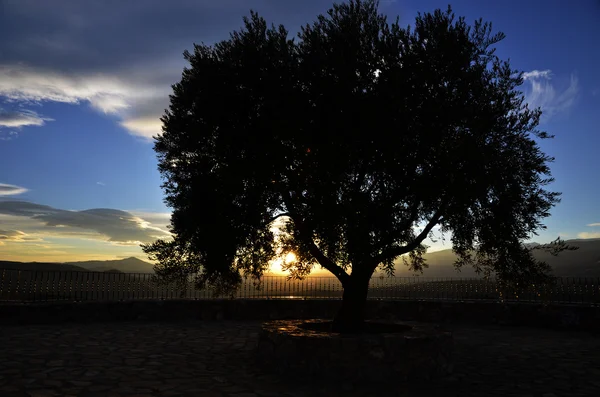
pixel 217 359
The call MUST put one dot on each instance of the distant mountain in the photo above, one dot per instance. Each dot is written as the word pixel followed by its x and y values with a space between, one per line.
pixel 532 245
pixel 584 262
pixel 127 265
pixel 41 266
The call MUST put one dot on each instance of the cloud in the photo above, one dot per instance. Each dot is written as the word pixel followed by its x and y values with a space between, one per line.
pixel 597 224
pixel 137 101
pixel 56 53
pixel 587 235
pixel 10 234
pixel 536 74
pixel 16 236
pixel 112 225
pixel 101 183
pixel 7 135
pixel 21 118
pixel 146 126
pixel 11 190
pixel 542 93
pixel 23 83
pixel 17 119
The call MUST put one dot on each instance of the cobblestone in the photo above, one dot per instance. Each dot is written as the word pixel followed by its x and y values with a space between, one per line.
pixel 218 359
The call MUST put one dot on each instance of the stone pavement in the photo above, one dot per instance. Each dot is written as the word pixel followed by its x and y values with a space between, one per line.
pixel 217 359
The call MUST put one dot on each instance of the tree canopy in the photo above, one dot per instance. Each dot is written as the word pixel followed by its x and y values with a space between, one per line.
pixel 360 136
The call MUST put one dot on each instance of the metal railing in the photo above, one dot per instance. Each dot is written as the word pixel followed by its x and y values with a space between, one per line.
pixel 31 286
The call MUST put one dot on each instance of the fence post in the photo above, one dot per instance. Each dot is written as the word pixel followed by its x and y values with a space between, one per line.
pixel 2 278
pixel 17 292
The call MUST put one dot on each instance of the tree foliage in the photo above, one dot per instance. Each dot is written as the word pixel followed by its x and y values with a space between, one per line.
pixel 360 136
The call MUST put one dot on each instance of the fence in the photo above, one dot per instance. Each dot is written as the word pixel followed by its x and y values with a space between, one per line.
pixel 28 286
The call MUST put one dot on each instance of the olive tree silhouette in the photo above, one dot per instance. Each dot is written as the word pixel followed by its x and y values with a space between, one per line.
pixel 360 136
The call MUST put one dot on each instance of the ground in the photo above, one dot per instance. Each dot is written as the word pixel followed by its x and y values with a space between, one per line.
pixel 216 359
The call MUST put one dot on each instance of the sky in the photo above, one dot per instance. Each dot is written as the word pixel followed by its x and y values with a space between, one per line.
pixel 84 83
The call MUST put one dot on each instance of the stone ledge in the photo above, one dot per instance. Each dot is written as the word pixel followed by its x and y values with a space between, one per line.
pixel 421 353
pixel 567 317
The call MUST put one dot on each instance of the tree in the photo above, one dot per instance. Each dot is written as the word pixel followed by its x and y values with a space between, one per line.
pixel 362 136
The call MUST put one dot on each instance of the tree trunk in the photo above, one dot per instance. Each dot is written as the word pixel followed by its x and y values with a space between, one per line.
pixel 351 316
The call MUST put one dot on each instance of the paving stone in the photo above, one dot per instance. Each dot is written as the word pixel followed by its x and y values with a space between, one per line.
pixel 97 388
pixel 8 389
pixel 51 382
pixel 216 359
pixel 80 383
pixel 42 393
pixel 263 393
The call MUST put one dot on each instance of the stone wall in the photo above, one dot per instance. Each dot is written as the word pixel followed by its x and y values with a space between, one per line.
pixel 552 316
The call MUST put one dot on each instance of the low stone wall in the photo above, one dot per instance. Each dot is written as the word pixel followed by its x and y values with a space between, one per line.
pixel 571 317
pixel 553 316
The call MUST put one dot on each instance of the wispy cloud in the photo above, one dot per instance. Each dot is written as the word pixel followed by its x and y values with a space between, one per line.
pixel 537 74
pixel 17 119
pixel 541 91
pixel 138 103
pixel 101 183
pixel 21 118
pixel 143 126
pixel 22 83
pixel 7 135
pixel 586 235
pixel 108 224
pixel 11 190
pixel 16 236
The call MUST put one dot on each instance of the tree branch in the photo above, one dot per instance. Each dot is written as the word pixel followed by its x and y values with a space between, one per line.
pixel 412 217
pixel 273 219
pixel 397 251
pixel 305 235
pixel 360 178
pixel 316 252
pixel 328 263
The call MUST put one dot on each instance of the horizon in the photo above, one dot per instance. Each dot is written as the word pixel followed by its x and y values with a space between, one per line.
pixel 143 259
pixel 78 176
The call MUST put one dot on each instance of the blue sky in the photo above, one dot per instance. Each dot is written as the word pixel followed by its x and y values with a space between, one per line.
pixel 83 84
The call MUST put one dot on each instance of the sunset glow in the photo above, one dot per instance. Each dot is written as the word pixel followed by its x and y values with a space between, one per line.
pixel 276 265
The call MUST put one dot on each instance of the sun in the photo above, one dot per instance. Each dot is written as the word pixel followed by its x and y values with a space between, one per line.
pixel 276 265
pixel 290 257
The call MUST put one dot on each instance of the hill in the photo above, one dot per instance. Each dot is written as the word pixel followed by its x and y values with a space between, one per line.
pixel 41 266
pixel 584 262
pixel 127 265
